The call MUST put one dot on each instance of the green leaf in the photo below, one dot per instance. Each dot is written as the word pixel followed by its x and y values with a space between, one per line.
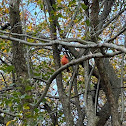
pixel 28 88
pixel 36 110
pixel 16 100
pixel 6 68
pixel 25 106
pixel 41 6
pixel 59 8
pixel 44 100
pixel 37 74
pixel 71 3
pixel 28 97
pixel 84 6
pixel 35 13
pixel 8 101
pixel 87 22
pixel 60 15
pixel 9 68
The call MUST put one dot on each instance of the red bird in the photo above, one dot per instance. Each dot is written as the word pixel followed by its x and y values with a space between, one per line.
pixel 64 61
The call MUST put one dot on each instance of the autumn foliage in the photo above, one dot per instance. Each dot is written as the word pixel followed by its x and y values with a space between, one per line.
pixel 45 37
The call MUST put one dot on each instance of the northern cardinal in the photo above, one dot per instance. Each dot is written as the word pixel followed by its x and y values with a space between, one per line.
pixel 64 61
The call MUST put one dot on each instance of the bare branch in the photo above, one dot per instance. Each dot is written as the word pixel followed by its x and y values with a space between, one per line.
pixel 5 55
pixel 52 114
pixel 72 20
pixel 6 89
pixel 4 61
pixel 123 49
pixel 102 3
pixel 40 79
pixel 45 40
pixel 122 90
pixel 84 42
pixel 4 78
pixel 23 41
pixel 96 95
pixel 43 95
pixel 120 48
pixel 41 38
pixel 122 30
pixel 104 26
pixel 105 12
pixel 77 61
pixel 122 81
pixel 55 97
pixel 72 79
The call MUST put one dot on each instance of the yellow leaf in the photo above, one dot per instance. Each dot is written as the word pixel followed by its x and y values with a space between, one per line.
pixel 27 30
pixel 5 51
pixel 59 1
pixel 9 122
pixel 33 58
pixel 7 10
pixel 49 100
pixel 10 104
pixel 40 51
pixel 30 27
pixel 2 47
pixel 26 107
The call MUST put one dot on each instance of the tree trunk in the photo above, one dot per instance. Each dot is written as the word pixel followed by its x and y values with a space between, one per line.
pixel 62 96
pixel 101 68
pixel 18 58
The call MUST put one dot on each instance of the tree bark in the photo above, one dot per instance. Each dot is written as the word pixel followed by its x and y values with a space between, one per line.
pixel 109 92
pixel 18 59
pixel 52 115
pixel 105 112
pixel 101 67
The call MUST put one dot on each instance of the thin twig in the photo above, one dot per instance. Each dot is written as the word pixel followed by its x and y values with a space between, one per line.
pixel 115 17
pixel 121 31
pixel 8 113
pixel 96 95
pixel 5 55
pixel 71 82
pixel 4 78
pixel 57 97
pixel 25 35
pixel 4 62
pixel 88 83
pixel 40 79
pixel 122 90
pixel 43 95
pixel 72 20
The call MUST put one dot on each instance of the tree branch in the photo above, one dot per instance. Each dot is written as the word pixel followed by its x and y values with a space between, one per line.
pixel 107 9
pixel 43 95
pixel 8 113
pixel 77 61
pixel 105 25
